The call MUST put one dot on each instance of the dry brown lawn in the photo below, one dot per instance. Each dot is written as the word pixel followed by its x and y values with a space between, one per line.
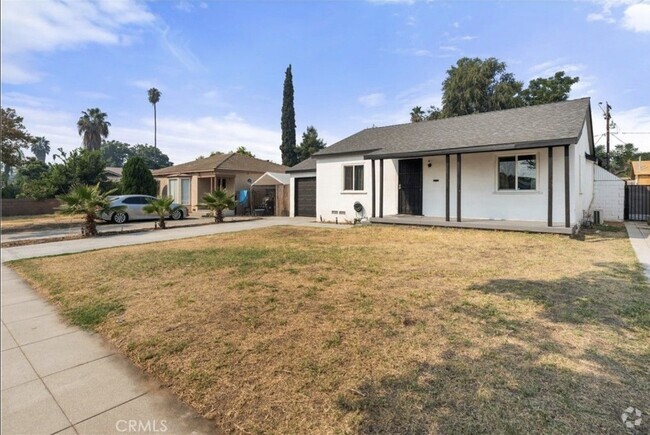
pixel 375 329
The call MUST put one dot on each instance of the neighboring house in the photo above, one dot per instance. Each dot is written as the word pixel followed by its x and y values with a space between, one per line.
pixel 640 173
pixel 271 194
pixel 303 188
pixel 113 173
pixel 532 165
pixel 188 182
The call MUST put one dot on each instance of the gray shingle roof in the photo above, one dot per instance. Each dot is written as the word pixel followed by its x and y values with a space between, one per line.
pixel 308 165
pixel 547 124
pixel 224 162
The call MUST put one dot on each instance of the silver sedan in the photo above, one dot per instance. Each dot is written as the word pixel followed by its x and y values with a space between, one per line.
pixel 133 209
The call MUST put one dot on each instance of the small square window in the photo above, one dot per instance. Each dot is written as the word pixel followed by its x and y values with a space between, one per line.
pixel 517 172
pixel 353 178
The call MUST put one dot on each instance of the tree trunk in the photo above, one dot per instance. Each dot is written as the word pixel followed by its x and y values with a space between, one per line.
pixel 161 223
pixel 155 128
pixel 91 226
pixel 219 215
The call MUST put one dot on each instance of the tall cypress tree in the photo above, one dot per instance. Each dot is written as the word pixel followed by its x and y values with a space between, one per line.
pixel 137 178
pixel 288 146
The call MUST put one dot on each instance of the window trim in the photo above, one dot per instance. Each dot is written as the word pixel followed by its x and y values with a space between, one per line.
pixel 353 166
pixel 516 190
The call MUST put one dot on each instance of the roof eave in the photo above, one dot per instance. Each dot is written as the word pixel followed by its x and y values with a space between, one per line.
pixel 471 150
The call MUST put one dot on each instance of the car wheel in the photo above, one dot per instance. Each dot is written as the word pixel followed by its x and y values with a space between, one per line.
pixel 119 217
pixel 177 214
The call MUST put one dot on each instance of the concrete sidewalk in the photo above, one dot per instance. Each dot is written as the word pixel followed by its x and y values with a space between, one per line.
pixel 639 233
pixel 57 378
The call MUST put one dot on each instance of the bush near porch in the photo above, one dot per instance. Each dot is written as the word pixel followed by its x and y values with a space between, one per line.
pixel 375 329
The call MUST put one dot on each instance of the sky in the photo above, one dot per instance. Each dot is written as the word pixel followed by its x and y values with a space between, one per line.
pixel 356 64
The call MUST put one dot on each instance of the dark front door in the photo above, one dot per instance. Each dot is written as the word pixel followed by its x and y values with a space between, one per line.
pixel 410 187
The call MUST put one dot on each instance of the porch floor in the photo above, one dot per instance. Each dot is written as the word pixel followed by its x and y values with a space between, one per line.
pixel 481 224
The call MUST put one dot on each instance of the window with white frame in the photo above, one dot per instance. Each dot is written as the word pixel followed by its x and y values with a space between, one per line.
pixel 179 188
pixel 353 178
pixel 173 188
pixel 517 172
pixel 185 191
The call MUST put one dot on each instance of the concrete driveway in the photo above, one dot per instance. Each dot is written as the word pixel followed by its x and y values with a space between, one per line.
pixel 102 227
pixel 60 379
pixel 80 245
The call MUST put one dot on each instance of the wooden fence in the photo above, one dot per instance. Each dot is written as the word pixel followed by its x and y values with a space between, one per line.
pixel 28 207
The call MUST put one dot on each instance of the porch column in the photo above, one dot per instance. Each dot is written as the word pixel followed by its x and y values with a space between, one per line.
pixel 381 188
pixel 567 200
pixel 372 162
pixel 447 187
pixel 550 186
pixel 458 187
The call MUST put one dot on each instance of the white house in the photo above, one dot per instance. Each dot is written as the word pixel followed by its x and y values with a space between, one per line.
pixel 528 168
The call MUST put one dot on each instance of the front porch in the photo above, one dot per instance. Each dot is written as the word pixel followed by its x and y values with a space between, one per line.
pixel 479 224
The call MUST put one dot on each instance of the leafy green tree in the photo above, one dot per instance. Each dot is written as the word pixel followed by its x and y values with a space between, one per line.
pixel 15 138
pixel 154 97
pixel 218 201
pixel 620 157
pixel 93 126
pixel 483 85
pixel 115 153
pixel 33 180
pixel 288 122
pixel 310 144
pixel 88 201
pixel 40 148
pixel 241 150
pixel 549 90
pixel 476 85
pixel 162 206
pixel 152 156
pixel 137 178
pixel 418 115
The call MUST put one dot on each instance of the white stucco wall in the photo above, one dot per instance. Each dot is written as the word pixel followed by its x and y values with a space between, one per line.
pixel 609 195
pixel 292 189
pixel 480 198
pixel 332 201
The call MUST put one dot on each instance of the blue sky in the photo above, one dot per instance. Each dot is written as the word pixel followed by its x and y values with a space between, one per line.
pixel 220 65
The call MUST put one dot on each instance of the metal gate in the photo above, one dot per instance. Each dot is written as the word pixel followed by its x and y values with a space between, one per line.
pixel 637 203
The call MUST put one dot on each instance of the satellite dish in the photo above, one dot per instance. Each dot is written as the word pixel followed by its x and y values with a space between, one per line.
pixel 358 207
pixel 249 181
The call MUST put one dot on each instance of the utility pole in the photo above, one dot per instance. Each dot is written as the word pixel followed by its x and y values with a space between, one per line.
pixel 608 117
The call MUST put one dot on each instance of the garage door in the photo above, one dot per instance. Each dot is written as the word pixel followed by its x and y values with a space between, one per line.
pixel 305 197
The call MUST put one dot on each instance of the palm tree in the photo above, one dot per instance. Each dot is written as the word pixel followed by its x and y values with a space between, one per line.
pixel 41 148
pixel 218 201
pixel 88 201
pixel 154 97
pixel 93 125
pixel 162 206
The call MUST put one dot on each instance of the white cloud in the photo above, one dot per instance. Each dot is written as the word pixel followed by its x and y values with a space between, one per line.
pixel 144 84
pixel 449 48
pixel 15 74
pixel 550 67
pixel 372 100
pixel 456 24
pixel 48 25
pixel 637 17
pixel 183 139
